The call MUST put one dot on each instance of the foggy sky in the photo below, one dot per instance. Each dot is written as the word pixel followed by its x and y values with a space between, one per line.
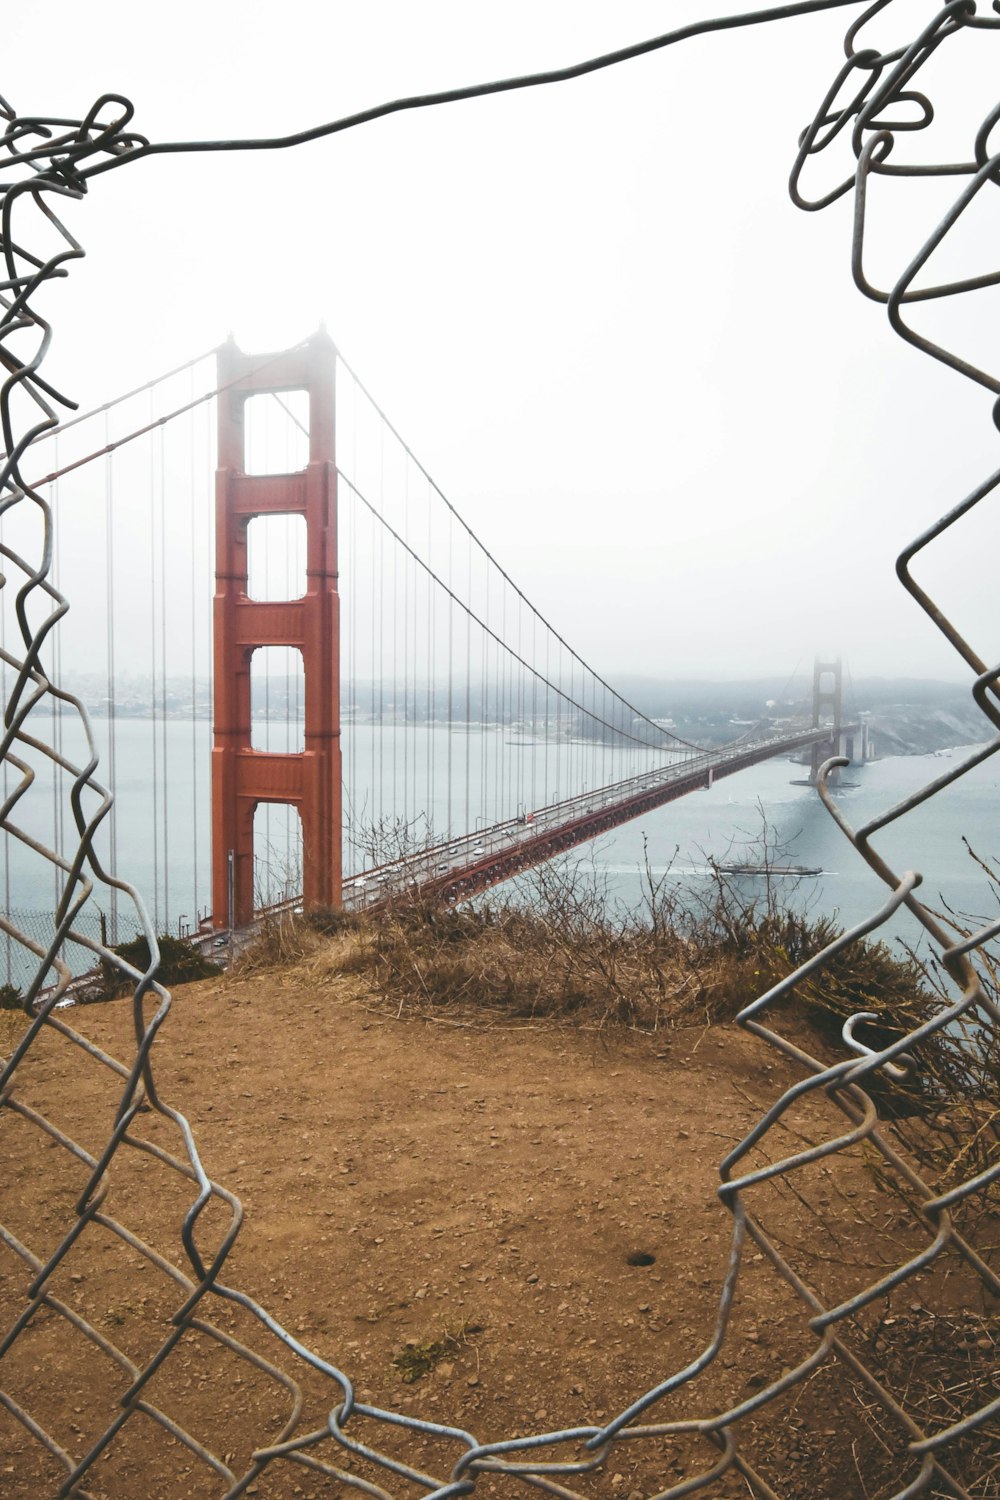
pixel 642 375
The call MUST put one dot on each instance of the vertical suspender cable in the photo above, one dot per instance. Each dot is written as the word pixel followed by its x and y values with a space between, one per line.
pixel 192 582
pixel 499 810
pixel 163 681
pixel 559 726
pixel 468 694
pixel 297 584
pixel 350 604
pixel 575 780
pixel 209 429
pixel 294 819
pixel 594 730
pixel 430 664
pixel 486 700
pixel 606 777
pixel 375 807
pixel 503 716
pixel 418 582
pixel 112 704
pixel 4 780
pixel 534 714
pixel 548 721
pixel 409 727
pixel 293 661
pixel 394 726
pixel 382 804
pixel 522 792
pixel 450 820
pixel 381 634
pixel 264 879
pixel 58 830
pixel 414 656
pixel 153 690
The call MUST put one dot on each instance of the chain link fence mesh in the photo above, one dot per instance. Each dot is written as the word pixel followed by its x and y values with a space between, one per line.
pixel 944 1447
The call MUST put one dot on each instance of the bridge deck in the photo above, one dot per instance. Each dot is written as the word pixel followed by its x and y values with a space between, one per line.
pixel 461 867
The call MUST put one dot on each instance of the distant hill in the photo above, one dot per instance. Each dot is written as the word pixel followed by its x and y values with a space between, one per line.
pixel 908 716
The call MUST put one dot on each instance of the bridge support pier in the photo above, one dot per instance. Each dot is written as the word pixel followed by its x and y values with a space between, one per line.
pixel 241 776
pixel 855 744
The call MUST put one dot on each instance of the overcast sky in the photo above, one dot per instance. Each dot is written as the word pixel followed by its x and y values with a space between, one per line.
pixel 642 375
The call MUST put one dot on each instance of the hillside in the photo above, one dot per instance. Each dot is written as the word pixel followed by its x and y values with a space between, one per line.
pixel 908 716
pixel 505 1224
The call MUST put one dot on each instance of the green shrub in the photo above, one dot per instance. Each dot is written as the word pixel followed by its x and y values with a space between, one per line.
pixel 181 962
pixel 10 997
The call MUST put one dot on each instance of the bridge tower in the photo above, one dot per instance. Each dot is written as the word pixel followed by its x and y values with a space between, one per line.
pixel 241 776
pixel 827 701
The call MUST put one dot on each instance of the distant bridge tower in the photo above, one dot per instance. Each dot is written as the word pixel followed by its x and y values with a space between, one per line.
pixel 241 776
pixel 827 701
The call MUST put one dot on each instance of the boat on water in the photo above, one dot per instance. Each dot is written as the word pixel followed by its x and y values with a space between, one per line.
pixel 758 869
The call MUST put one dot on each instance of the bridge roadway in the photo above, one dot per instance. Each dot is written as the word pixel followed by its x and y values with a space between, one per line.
pixel 464 866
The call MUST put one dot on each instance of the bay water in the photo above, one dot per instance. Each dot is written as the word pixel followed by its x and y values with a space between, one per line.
pixel 162 834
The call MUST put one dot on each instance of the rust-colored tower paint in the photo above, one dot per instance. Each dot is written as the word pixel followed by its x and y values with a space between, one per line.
pixel 243 777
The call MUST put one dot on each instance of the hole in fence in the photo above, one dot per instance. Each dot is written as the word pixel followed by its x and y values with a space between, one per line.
pixel 276 557
pixel 640 1258
pixel 276 432
pixel 277 700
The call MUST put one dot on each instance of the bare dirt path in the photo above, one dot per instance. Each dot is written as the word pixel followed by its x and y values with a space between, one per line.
pixel 523 1218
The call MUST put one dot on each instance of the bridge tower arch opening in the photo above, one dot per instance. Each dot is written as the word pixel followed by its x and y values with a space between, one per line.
pixel 308 780
pixel 277 853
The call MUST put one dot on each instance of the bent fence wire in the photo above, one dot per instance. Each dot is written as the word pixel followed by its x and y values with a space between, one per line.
pixel 150 1147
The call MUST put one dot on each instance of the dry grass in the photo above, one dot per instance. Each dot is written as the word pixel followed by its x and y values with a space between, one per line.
pixel 569 954
pixel 947 1365
pixel 570 957
pixel 418 1358
pixel 279 942
pixel 12 1026
pixel 521 964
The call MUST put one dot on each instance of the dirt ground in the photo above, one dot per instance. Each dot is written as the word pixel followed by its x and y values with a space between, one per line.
pixel 508 1229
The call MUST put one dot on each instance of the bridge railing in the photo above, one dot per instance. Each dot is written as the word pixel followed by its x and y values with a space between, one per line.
pixel 527 839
